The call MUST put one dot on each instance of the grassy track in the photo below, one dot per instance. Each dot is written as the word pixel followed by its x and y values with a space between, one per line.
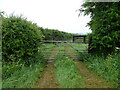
pixel 66 71
pixel 48 78
pixel 106 68
pixel 63 70
pixel 20 76
pixel 90 78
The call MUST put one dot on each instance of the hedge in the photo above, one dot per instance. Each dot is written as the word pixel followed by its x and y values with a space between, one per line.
pixel 20 38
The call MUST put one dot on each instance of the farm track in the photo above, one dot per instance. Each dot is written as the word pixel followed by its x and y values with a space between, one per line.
pixel 48 79
pixel 90 78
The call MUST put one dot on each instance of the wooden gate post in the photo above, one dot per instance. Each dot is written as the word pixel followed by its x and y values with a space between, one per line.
pixel 84 40
pixel 73 39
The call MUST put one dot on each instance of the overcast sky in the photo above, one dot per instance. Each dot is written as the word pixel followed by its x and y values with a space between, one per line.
pixel 52 14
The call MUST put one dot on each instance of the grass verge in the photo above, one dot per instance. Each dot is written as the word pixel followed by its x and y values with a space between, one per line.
pixel 106 68
pixel 18 75
pixel 0 74
pixel 22 76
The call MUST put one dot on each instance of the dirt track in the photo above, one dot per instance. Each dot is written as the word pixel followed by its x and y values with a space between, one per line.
pixel 90 78
pixel 48 79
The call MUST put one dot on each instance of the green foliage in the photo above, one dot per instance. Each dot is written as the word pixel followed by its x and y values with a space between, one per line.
pixel 51 34
pixel 67 74
pixel 106 68
pixel 0 75
pixel 20 39
pixel 17 75
pixel 9 68
pixel 104 24
pixel 24 77
pixel 1 13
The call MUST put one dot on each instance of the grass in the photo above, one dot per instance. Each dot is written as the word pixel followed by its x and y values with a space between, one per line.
pixel 107 68
pixel 18 75
pixel 0 74
pixel 79 46
pixel 66 72
pixel 21 76
pixel 24 78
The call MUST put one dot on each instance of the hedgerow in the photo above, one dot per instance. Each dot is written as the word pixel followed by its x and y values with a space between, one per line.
pixel 53 34
pixel 20 39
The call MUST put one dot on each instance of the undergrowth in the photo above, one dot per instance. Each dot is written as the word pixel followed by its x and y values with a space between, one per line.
pixel 106 68
pixel 18 75
pixel 25 77
pixel 0 74
pixel 21 76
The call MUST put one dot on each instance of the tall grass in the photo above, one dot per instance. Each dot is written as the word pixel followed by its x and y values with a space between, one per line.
pixel 24 78
pixel 0 74
pixel 106 68
pixel 18 75
pixel 66 72
pixel 21 76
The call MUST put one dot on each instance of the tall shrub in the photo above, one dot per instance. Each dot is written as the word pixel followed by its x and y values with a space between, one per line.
pixel 105 25
pixel 20 38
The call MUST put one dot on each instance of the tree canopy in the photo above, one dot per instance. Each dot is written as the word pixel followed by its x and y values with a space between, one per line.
pixel 56 35
pixel 105 25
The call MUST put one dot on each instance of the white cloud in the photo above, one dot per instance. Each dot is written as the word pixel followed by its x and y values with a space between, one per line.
pixel 53 14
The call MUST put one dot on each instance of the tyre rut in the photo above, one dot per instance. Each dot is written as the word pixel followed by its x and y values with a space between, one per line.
pixel 48 78
pixel 90 78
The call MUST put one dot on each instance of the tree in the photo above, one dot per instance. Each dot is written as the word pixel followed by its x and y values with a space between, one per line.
pixel 105 25
pixel 52 34
pixel 1 13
